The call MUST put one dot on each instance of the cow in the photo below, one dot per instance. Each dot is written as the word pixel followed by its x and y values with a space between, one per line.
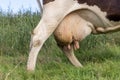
pixel 93 16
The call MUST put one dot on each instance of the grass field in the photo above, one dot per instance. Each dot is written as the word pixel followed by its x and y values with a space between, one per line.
pixel 99 54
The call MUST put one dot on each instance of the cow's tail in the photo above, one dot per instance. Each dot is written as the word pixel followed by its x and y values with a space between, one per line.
pixel 40 4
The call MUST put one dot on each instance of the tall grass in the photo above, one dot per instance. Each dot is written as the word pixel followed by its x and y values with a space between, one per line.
pixel 15 31
pixel 100 54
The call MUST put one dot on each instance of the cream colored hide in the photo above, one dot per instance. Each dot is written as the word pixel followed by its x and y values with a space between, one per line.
pixel 53 13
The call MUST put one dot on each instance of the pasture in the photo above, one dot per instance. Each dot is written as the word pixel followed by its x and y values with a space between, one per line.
pixel 99 54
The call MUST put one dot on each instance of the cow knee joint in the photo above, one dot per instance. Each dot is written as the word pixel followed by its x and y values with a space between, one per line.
pixel 36 43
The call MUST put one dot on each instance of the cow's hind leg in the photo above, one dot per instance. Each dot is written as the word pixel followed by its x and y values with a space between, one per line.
pixel 70 55
pixel 38 37
pixel 108 29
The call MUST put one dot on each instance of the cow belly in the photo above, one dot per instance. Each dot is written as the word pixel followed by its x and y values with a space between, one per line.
pixel 110 6
pixel 72 28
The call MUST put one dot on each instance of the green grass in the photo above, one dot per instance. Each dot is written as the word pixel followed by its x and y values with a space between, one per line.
pixel 99 54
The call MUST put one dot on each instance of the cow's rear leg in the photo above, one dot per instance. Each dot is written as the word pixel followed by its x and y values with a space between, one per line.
pixel 70 55
pixel 38 37
pixel 40 34
pixel 108 29
pixel 76 45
